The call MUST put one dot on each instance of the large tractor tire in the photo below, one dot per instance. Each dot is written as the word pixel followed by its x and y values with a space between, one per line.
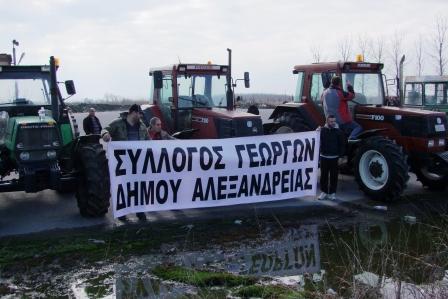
pixel 432 181
pixel 381 170
pixel 93 185
pixel 289 123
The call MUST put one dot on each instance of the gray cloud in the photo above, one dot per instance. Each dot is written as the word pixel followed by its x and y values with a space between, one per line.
pixel 109 46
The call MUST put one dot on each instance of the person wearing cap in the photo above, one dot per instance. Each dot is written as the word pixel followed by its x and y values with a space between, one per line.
pixel 127 127
pixel 91 123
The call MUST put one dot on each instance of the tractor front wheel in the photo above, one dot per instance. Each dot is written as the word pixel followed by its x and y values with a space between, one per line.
pixel 433 181
pixel 381 170
pixel 93 186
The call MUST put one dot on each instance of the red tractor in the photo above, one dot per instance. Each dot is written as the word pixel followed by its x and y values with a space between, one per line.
pixel 393 137
pixel 197 101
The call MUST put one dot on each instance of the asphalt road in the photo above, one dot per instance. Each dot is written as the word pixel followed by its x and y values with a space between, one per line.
pixel 22 213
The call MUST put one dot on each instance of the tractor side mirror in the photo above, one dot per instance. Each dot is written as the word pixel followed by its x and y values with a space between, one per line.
pixel 70 87
pixel 390 81
pixel 158 79
pixel 246 80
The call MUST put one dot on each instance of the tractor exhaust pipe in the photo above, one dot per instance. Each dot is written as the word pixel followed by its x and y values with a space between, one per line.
pixel 54 90
pixel 400 80
pixel 229 92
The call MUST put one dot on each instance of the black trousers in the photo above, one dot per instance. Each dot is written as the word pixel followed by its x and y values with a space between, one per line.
pixel 328 168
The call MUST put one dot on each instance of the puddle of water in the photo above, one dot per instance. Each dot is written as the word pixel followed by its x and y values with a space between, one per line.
pixel 365 253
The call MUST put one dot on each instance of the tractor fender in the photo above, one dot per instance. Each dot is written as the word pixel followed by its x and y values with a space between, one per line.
pixel 286 107
pixel 91 138
pixel 369 133
pixel 352 145
pixel 304 111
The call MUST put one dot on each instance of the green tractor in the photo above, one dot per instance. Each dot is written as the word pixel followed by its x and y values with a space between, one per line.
pixel 426 92
pixel 40 146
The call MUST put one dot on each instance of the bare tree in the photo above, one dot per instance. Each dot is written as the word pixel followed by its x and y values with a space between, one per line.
pixel 396 49
pixel 439 44
pixel 364 43
pixel 316 52
pixel 419 54
pixel 378 49
pixel 345 48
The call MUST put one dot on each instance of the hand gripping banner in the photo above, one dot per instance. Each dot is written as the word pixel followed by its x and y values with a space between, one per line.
pixel 182 174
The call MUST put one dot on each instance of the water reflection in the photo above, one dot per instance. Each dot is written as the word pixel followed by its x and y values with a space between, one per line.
pixel 296 252
pixel 145 287
pixel 365 253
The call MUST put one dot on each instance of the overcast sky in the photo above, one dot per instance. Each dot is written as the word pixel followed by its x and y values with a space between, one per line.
pixel 109 46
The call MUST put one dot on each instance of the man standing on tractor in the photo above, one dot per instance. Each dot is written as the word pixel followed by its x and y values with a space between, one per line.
pixel 155 130
pixel 332 146
pixel 335 102
pixel 128 127
pixel 91 123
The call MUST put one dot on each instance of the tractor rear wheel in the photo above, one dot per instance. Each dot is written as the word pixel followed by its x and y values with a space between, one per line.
pixel 381 170
pixel 93 186
pixel 432 181
pixel 289 123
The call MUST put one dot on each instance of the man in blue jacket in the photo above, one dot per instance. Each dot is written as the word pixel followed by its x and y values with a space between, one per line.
pixel 332 147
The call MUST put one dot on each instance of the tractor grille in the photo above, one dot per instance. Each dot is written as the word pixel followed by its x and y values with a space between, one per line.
pixel 433 126
pixel 227 128
pixel 37 136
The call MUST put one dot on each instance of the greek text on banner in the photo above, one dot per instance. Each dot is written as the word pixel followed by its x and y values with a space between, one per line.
pixel 182 174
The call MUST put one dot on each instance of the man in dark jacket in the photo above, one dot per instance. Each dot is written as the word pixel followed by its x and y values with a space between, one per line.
pixel 332 146
pixel 127 127
pixel 91 123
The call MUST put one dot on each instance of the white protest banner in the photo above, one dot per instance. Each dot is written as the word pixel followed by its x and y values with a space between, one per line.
pixel 182 174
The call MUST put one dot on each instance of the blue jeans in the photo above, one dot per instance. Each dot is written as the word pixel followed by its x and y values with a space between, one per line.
pixel 352 128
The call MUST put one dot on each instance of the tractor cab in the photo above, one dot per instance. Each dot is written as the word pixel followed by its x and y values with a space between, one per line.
pixel 427 92
pixel 24 90
pixel 197 101
pixel 40 147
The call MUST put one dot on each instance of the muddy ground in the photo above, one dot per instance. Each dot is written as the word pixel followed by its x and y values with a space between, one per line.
pixel 305 252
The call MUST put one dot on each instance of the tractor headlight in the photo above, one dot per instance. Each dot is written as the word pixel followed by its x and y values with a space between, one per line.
pixel 430 143
pixel 255 130
pixel 249 124
pixel 55 143
pixel 51 154
pixel 441 142
pixel 24 156
pixel 19 145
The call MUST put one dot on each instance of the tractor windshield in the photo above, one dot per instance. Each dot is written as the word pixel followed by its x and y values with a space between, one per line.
pixel 24 88
pixel 202 91
pixel 368 87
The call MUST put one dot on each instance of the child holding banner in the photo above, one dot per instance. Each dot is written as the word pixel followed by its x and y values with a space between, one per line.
pixel 332 146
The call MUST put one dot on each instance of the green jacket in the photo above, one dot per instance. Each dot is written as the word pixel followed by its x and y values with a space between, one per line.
pixel 118 130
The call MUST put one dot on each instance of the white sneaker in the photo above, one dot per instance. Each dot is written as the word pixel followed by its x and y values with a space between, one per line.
pixel 332 196
pixel 322 196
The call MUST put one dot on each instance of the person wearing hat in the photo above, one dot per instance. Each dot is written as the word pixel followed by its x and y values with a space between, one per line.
pixel 128 127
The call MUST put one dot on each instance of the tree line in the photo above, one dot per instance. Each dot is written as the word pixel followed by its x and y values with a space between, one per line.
pixel 427 50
